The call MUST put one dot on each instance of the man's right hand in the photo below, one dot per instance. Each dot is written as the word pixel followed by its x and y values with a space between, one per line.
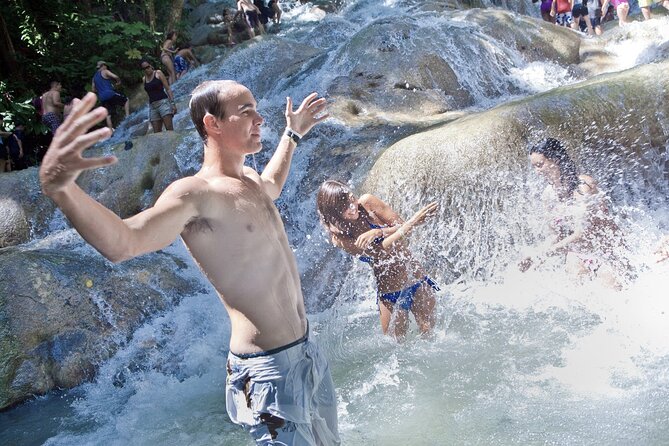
pixel 63 161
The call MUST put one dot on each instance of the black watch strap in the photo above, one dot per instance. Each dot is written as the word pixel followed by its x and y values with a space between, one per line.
pixel 292 134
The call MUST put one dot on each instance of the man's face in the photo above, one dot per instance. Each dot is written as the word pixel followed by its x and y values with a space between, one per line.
pixel 241 124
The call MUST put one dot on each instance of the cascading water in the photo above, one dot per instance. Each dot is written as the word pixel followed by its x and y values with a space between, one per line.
pixel 517 358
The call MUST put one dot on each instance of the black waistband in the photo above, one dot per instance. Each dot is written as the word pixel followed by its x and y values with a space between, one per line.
pixel 274 350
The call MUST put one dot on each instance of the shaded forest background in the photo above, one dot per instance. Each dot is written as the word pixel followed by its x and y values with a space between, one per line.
pixel 62 40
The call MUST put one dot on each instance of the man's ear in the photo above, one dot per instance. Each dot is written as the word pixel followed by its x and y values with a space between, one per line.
pixel 211 124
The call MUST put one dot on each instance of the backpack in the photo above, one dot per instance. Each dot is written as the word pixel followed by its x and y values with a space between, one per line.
pixel 37 103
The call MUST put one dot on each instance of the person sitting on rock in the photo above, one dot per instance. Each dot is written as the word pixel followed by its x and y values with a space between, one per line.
pixel 184 59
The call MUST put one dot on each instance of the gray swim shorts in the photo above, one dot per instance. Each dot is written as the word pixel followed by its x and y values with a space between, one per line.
pixel 159 109
pixel 284 396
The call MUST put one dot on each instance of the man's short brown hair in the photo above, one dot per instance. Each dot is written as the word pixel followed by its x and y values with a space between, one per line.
pixel 206 98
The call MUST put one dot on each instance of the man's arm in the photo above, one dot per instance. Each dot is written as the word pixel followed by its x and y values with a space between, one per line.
pixel 114 238
pixel 109 74
pixel 301 121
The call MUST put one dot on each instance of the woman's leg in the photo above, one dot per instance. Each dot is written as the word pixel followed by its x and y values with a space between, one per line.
pixel 591 31
pixel 157 126
pixel 423 308
pixel 622 10
pixel 169 66
pixel 167 121
pixel 394 321
pixel 277 11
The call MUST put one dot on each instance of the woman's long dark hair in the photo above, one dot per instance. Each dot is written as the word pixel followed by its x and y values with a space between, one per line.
pixel 332 200
pixel 554 150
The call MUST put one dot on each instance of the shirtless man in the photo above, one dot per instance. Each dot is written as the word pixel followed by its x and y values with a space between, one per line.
pixel 52 107
pixel 227 219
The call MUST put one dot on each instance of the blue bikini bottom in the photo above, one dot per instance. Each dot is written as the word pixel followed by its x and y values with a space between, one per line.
pixel 405 297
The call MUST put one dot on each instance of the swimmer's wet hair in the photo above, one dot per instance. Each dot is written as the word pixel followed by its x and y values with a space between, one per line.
pixel 332 200
pixel 554 150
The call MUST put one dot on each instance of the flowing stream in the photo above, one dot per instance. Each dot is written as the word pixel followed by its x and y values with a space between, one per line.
pixel 517 358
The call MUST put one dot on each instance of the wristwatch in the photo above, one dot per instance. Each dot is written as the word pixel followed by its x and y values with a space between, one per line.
pixel 292 134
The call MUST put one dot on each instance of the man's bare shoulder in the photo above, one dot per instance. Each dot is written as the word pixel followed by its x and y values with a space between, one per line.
pixel 196 187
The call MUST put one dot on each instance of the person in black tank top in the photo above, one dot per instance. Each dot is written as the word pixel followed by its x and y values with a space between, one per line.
pixel 161 99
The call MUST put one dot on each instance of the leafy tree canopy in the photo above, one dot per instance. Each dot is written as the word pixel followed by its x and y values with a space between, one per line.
pixel 62 40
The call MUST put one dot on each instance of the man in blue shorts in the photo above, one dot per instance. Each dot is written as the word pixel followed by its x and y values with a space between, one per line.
pixel 109 97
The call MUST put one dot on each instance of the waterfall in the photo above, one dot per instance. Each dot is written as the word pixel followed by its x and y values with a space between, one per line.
pixel 533 358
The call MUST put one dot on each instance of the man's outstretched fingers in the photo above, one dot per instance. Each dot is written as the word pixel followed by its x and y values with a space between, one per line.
pixel 308 99
pixel 94 163
pixel 80 108
pixel 84 123
pixel 317 103
pixel 289 104
pixel 82 142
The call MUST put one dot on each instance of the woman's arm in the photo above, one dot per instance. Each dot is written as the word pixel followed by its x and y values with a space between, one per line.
pixel 417 219
pixel 585 193
pixel 396 227
pixel 167 47
pixel 166 86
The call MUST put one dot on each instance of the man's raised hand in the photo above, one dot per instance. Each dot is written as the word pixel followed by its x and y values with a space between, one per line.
pixel 63 161
pixel 307 115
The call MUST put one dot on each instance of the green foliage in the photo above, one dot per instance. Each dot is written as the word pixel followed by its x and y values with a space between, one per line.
pixel 14 111
pixel 63 39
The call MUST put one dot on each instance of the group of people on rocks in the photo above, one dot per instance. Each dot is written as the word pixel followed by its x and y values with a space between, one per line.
pixel 589 15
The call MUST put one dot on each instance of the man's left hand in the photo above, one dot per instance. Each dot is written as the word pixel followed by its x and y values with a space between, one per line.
pixel 307 115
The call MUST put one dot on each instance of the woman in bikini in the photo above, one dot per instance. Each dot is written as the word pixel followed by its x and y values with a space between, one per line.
pixel 167 52
pixel 369 229
pixel 585 233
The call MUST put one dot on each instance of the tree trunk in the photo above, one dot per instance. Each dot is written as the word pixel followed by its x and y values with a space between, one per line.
pixel 7 54
pixel 175 14
pixel 151 11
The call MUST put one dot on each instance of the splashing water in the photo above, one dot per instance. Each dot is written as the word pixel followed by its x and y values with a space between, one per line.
pixel 517 358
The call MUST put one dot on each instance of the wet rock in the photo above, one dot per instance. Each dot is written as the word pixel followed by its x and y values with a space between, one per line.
pixel 395 66
pixel 63 311
pixel 24 211
pixel 476 167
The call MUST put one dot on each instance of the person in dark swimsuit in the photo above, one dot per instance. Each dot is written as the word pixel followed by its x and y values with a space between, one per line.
pixel 161 99
pixel 368 228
